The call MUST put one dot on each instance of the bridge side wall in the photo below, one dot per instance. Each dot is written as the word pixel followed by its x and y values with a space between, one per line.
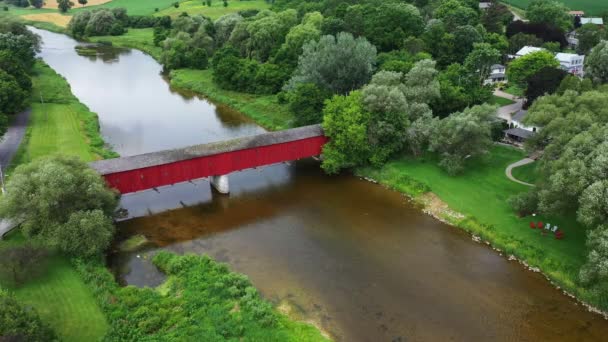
pixel 218 164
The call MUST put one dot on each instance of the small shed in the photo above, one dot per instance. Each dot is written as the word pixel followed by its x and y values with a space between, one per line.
pixel 518 134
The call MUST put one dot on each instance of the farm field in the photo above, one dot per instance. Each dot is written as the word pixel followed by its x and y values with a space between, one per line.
pixel 594 7
pixel 216 10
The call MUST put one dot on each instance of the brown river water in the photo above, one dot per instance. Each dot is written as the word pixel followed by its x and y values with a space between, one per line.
pixel 352 257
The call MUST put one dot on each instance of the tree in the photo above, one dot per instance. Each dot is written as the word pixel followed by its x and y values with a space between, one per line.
pixel 20 324
pixel 463 135
pixel 345 122
pixel 550 12
pixel 308 30
pixel 37 3
pixel 571 82
pixel 389 24
pixel 544 31
pixel 339 64
pixel 12 96
pixel 519 40
pixel 545 81
pixel 594 273
pixel 589 35
pixel 21 262
pixel 597 63
pixel 64 5
pixel 12 66
pixel 496 17
pixel 520 69
pixel 224 26
pixel 481 59
pixel 22 46
pixel 49 193
pixel 306 103
pixel 83 2
pixel 86 233
pixel 456 13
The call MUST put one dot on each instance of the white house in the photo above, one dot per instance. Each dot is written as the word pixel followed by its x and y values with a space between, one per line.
pixel 571 63
pixel 527 50
pixel 596 21
pixel 485 5
pixel 517 121
pixel 497 74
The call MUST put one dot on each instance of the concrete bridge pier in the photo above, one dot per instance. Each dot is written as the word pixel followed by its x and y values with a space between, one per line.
pixel 220 183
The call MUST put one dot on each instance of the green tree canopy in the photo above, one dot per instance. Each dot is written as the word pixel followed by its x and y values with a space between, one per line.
pixel 339 64
pixel 596 64
pixel 54 196
pixel 550 12
pixel 20 324
pixel 520 69
pixel 481 59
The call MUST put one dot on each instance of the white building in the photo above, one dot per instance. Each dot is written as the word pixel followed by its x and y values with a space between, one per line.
pixel 517 121
pixel 596 21
pixel 485 5
pixel 519 132
pixel 571 63
pixel 497 74
pixel 527 50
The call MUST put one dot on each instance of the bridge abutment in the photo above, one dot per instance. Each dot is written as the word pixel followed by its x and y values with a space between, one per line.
pixel 220 183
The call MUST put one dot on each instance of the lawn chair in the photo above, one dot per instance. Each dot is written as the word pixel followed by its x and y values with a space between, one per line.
pixel 532 225
pixel 559 234
pixel 539 225
pixel 548 226
pixel 554 229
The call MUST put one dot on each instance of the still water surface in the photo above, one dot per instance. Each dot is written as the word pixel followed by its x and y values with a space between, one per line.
pixel 354 258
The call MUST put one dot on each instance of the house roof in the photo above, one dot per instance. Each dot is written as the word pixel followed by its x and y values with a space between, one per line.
pixel 567 57
pixel 528 49
pixel 520 115
pixel 497 66
pixel 597 21
pixel 484 5
pixel 576 13
pixel 519 132
pixel 497 75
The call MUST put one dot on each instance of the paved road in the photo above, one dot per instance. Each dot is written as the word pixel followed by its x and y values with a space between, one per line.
pixel 510 168
pixel 506 112
pixel 13 137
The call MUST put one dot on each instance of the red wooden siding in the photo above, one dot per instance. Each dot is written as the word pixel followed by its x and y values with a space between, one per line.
pixel 218 164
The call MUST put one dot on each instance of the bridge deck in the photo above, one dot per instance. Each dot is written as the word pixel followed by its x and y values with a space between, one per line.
pixel 146 171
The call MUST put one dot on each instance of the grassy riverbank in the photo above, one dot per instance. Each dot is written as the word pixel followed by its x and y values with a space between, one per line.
pixel 264 109
pixel 476 201
pixel 141 39
pixel 59 123
pixel 61 298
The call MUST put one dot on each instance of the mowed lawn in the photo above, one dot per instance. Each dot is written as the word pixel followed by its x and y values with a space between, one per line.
pixel 134 7
pixel 58 126
pixel 594 7
pixel 481 194
pixel 216 9
pixel 62 299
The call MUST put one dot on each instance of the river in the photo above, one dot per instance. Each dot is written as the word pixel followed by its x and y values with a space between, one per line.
pixel 357 260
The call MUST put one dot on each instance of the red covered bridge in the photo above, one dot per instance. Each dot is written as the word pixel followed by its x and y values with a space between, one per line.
pixel 216 160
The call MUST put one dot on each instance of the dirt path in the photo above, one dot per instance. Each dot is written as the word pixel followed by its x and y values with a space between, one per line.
pixel 510 168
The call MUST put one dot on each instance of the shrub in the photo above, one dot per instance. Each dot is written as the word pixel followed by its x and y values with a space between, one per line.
pixel 20 324
pixel 22 262
pixel 525 203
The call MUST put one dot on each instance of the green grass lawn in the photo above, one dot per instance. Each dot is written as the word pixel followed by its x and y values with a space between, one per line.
pixel 500 101
pixel 264 109
pixel 141 39
pixel 526 173
pixel 216 10
pixel 134 7
pixel 59 125
pixel 62 300
pixel 514 90
pixel 481 194
pixel 595 7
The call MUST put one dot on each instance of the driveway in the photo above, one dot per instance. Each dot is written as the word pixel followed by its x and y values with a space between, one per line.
pixel 506 112
pixel 13 137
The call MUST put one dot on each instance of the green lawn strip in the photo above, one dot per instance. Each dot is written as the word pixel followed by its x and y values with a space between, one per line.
pixel 500 101
pixel 62 299
pixel 216 10
pixel 60 125
pixel 264 109
pixel 526 173
pixel 134 7
pixel 514 90
pixel 141 39
pixel 481 194
pixel 590 7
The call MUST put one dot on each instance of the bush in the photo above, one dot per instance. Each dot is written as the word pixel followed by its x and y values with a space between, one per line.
pixel 21 262
pixel 525 203
pixel 306 103
pixel 20 324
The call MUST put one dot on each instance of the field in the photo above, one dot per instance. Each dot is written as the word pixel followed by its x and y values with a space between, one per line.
pixel 595 7
pixel 481 194
pixel 216 10
pixel 53 3
pixel 264 109
pixel 134 7
pixel 62 299
pixel 53 18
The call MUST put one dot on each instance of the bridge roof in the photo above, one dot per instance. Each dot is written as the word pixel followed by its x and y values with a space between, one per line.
pixel 109 166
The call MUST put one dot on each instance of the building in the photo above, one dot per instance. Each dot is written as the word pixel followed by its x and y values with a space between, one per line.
pixel 497 74
pixel 572 39
pixel 484 5
pixel 519 132
pixel 527 50
pixel 576 13
pixel 596 21
pixel 571 63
